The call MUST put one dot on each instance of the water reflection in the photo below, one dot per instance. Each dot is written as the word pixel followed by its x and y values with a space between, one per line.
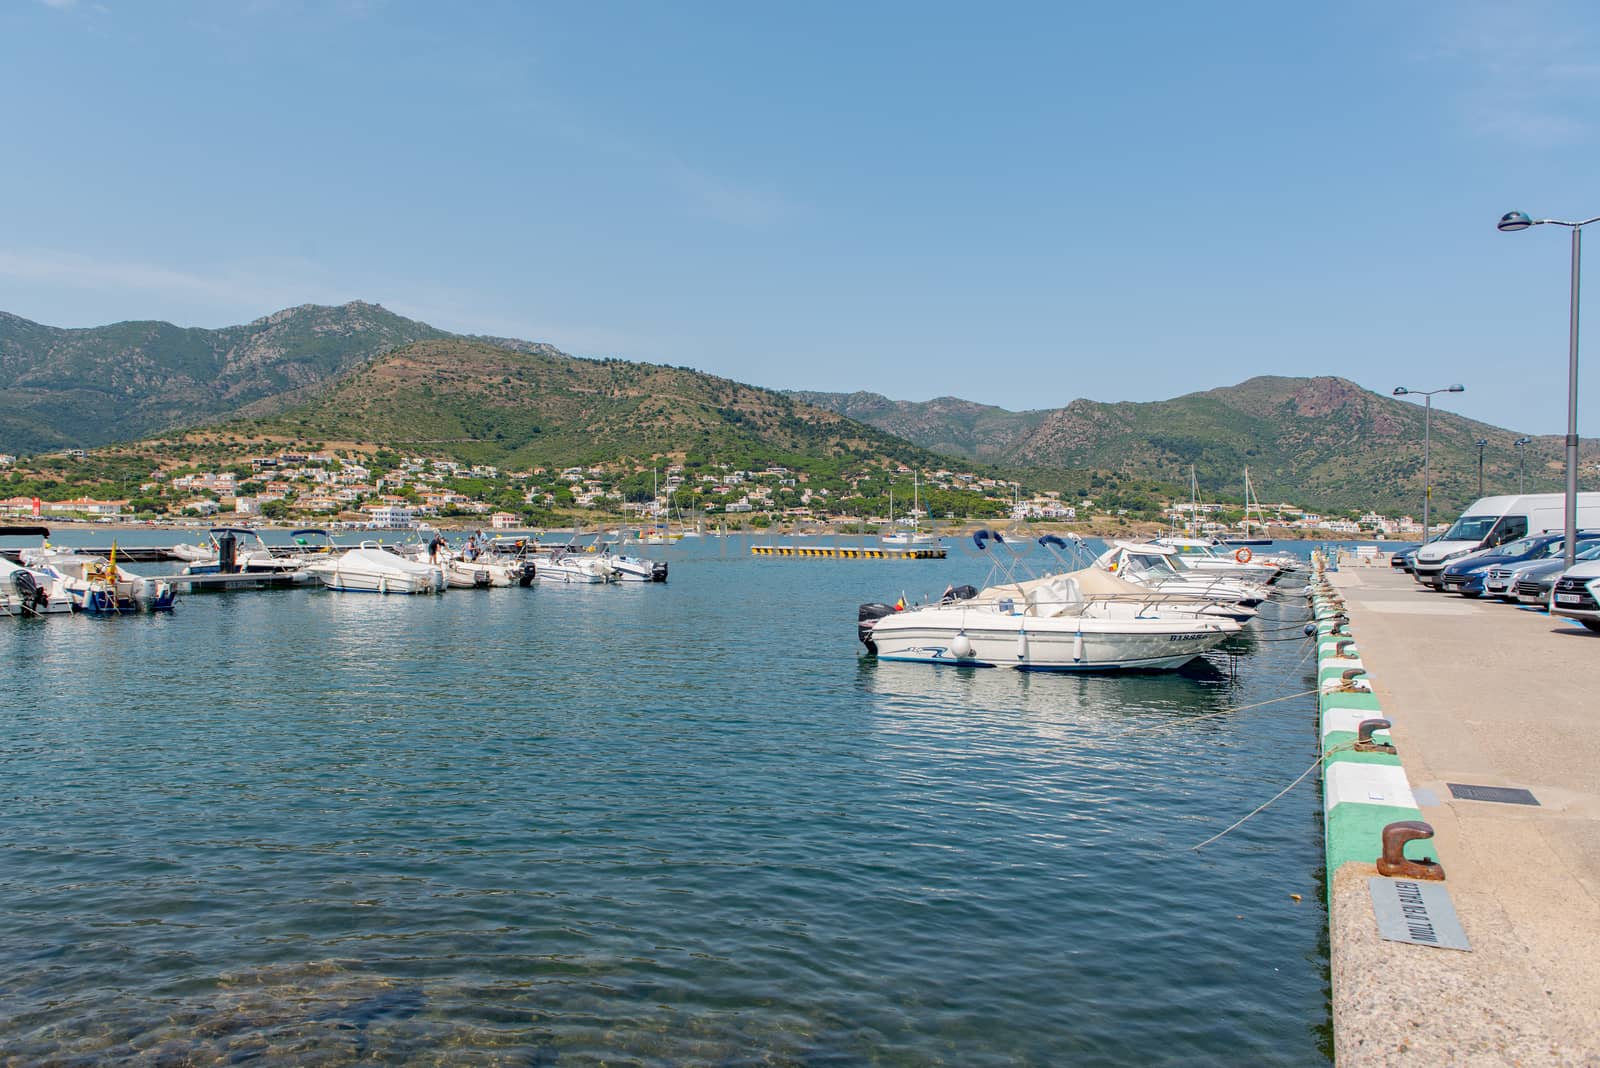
pixel 687 824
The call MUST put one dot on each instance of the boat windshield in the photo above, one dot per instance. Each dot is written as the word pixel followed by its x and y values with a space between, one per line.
pixel 1470 528
pixel 1139 563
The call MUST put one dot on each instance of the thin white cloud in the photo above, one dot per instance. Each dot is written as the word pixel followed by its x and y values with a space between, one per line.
pixel 242 292
pixel 60 5
pixel 717 196
pixel 76 271
pixel 724 200
pixel 1531 79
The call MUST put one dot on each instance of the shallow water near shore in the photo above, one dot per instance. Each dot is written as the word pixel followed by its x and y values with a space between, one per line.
pixel 680 824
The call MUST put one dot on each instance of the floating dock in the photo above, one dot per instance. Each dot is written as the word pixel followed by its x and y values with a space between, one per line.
pixel 929 552
pixel 237 580
pixel 1458 740
pixel 134 554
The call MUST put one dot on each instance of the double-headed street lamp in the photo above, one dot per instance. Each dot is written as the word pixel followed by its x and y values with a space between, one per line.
pixel 1427 440
pixel 1511 222
pixel 1481 443
pixel 1522 462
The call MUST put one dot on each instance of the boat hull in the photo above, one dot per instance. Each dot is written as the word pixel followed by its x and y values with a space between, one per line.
pixel 371 571
pixel 1050 644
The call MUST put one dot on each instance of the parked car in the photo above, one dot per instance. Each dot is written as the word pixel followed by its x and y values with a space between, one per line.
pixel 1537 581
pixel 1402 558
pixel 1492 521
pixel 1536 587
pixel 1466 574
pixel 1500 581
pixel 1577 594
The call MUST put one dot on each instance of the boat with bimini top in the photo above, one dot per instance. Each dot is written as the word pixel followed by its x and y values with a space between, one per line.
pixel 1067 622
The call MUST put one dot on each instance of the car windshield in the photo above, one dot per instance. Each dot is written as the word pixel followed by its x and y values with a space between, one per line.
pixel 1591 553
pixel 1470 528
pixel 1520 547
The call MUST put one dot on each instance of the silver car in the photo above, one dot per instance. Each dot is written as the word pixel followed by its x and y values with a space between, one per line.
pixel 1500 582
pixel 1535 579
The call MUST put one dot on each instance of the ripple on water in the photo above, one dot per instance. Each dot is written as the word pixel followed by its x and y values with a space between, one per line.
pixel 656 826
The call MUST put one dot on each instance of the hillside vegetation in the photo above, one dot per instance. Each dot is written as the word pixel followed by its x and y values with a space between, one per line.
pixel 485 403
pixel 85 387
pixel 1323 442
pixel 945 424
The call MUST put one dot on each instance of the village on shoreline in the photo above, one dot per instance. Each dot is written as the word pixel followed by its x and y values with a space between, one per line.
pixel 381 490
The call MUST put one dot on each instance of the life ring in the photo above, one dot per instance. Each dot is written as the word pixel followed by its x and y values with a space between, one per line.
pixel 1242 555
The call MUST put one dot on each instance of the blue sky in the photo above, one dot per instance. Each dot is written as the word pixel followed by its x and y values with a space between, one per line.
pixel 1016 204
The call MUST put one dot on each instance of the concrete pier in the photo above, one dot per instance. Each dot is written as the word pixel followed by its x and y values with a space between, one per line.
pixel 1480 694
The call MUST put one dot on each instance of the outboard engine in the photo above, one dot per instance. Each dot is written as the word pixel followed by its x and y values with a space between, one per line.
pixel 866 618
pixel 32 595
pixel 959 593
pixel 227 553
pixel 526 573
pixel 658 571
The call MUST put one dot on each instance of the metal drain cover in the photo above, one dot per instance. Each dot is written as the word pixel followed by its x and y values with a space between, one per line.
pixel 1505 795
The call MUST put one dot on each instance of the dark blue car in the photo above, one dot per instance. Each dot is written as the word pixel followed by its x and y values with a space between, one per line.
pixel 1465 576
pixel 1400 557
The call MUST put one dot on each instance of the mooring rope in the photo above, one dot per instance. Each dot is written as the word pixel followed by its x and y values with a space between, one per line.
pixel 1223 712
pixel 1263 806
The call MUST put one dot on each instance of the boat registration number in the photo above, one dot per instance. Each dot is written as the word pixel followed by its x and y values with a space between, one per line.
pixel 1568 598
pixel 1184 637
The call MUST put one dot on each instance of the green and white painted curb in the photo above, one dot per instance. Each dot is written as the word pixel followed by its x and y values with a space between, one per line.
pixel 1362 792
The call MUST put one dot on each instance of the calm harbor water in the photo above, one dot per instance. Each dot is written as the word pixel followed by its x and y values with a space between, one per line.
pixel 643 825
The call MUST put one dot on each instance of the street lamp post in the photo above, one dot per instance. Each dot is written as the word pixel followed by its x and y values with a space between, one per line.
pixel 1511 222
pixel 1522 462
pixel 1482 443
pixel 1427 442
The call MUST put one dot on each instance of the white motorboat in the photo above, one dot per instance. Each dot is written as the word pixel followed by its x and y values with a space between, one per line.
pixel 101 586
pixel 635 568
pixel 370 568
pixel 563 566
pixel 240 550
pixel 472 567
pixel 1201 554
pixel 484 570
pixel 1162 567
pixel 1052 627
pixel 25 592
pixel 1085 620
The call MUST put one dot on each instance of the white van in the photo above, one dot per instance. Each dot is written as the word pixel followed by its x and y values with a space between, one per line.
pixel 1491 521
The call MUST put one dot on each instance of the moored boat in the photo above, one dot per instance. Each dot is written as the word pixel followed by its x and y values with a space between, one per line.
pixel 635 568
pixel 100 586
pixel 370 568
pixel 1053 628
pixel 563 566
pixel 25 592
pixel 1080 621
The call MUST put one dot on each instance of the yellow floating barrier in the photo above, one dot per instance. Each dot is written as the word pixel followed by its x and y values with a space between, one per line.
pixel 826 553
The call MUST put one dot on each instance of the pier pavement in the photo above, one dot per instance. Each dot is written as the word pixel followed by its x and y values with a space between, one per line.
pixel 1480 694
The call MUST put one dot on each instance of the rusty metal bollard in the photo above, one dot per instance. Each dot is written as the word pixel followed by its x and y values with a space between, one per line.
pixel 1395 863
pixel 1364 742
pixel 1347 680
pixel 1341 645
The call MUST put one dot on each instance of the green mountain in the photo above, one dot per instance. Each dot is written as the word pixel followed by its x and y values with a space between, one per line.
pixel 945 424
pixel 1322 442
pixel 66 388
pixel 487 403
